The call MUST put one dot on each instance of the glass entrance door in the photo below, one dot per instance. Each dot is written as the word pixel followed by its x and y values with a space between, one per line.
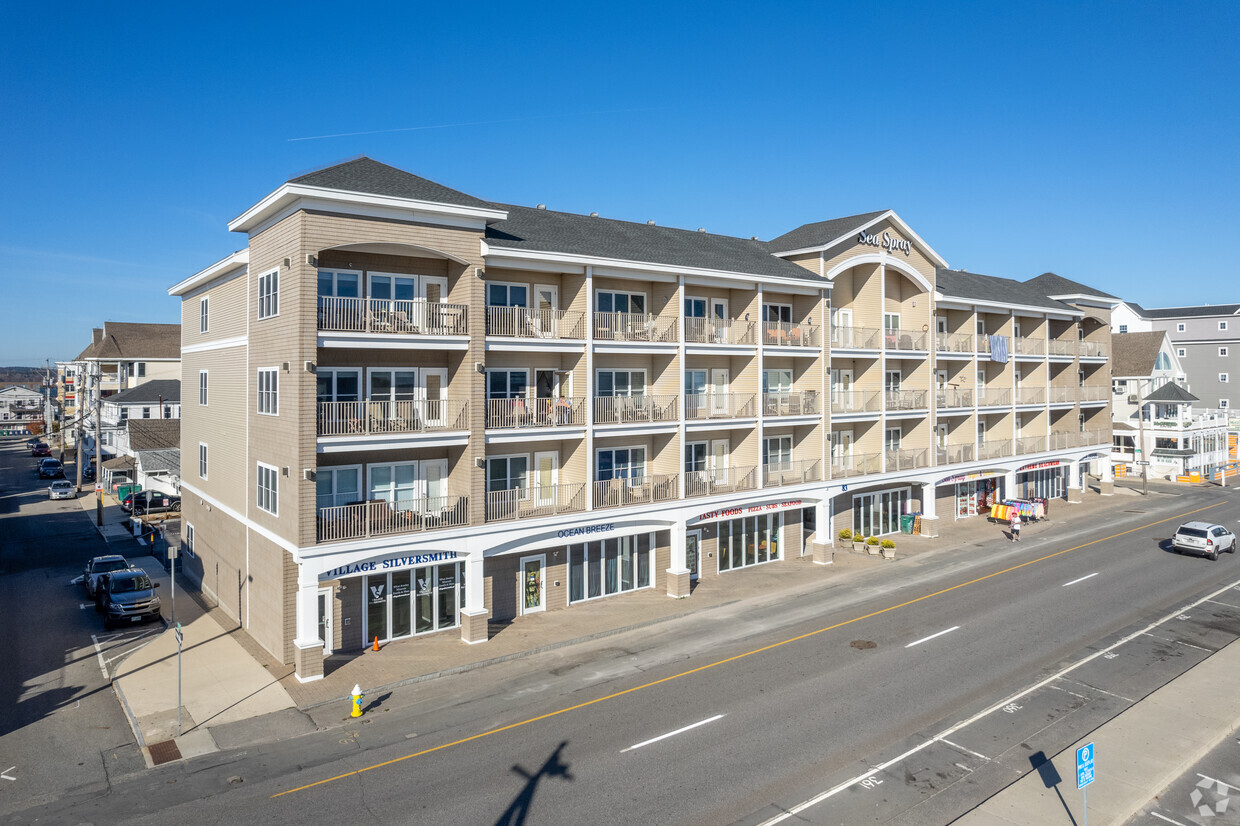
pixel 325 619
pixel 533 586
pixel 693 541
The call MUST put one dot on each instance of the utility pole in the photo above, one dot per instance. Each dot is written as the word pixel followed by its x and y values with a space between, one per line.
pixel 1145 466
pixel 98 450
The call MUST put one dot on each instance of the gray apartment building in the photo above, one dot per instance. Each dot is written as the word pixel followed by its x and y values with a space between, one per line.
pixel 1206 339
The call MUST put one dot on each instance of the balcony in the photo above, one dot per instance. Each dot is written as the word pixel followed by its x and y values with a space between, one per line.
pixel 359 520
pixel 854 338
pixel 897 339
pixel 641 490
pixel 954 454
pixel 1056 347
pixel 365 418
pixel 1092 349
pixel 635 409
pixel 1062 395
pixel 856 401
pixel 1030 444
pixel 1028 346
pixel 720 331
pixel 993 397
pixel 792 472
pixel 720 406
pixel 791 403
pixel 1095 437
pixel 895 400
pixel 509 414
pixel 725 480
pixel 788 334
pixel 1066 439
pixel 907 458
pixel 522 322
pixel 856 464
pixel 994 449
pixel 1094 393
pixel 954 343
pixel 375 315
pixel 949 397
pixel 1030 395
pixel 532 503
pixel 637 327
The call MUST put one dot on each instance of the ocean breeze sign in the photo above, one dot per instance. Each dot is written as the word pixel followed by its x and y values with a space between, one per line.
pixel 746 510
pixel 886 241
pixel 586 530
pixel 391 564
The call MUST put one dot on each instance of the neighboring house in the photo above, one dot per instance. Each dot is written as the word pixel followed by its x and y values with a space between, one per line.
pixel 1146 374
pixel 156 399
pixel 156 446
pixel 121 356
pixel 412 411
pixel 1206 340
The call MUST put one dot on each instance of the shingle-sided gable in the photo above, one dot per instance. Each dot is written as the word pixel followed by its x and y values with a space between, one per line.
pixel 1133 355
pixel 127 340
pixel 371 177
pixel 154 434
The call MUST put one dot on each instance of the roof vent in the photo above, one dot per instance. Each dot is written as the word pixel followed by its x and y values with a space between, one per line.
pixel 701 229
pixel 650 223
pixel 541 206
pixel 593 214
pixel 753 238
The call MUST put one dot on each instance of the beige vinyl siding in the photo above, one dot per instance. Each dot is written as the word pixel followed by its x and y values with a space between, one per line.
pixel 227 315
pixel 221 424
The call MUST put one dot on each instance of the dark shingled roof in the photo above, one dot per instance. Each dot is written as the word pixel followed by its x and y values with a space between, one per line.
pixel 1052 284
pixel 154 434
pixel 128 340
pixel 1192 312
pixel 971 285
pixel 1172 393
pixel 150 393
pixel 822 232
pixel 373 178
pixel 548 231
pixel 1134 354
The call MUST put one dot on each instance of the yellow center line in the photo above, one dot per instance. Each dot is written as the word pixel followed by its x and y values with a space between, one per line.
pixel 737 657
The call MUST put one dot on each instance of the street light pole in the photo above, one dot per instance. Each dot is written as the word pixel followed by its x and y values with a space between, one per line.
pixel 1141 447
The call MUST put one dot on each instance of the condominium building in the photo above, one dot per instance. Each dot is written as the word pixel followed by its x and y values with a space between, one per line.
pixel 411 411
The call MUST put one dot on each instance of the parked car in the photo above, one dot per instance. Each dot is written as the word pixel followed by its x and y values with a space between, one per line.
pixel 98 567
pixel 1203 538
pixel 40 449
pixel 62 489
pixel 152 501
pixel 88 473
pixel 127 596
pixel 51 469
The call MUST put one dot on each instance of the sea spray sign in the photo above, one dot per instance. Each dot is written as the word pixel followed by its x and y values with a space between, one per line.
pixel 885 241
pixel 392 564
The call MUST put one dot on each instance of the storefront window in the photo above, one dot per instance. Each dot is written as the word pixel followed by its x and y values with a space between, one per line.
pixel 413 601
pixel 751 540
pixel 876 514
pixel 401 603
pixel 1043 483
pixel 608 566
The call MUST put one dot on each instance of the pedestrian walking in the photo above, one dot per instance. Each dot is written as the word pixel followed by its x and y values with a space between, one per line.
pixel 1015 526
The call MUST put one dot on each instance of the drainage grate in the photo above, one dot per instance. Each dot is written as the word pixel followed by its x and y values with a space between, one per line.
pixel 164 752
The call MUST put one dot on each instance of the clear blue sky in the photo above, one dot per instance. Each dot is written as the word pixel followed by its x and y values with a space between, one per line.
pixel 1095 140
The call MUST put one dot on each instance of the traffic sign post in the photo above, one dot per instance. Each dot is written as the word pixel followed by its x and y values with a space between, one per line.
pixel 180 638
pixel 1085 775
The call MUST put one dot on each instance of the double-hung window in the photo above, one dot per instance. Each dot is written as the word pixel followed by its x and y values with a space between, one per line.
pixel 202 388
pixel 777 452
pixel 622 463
pixel 269 294
pixel 613 301
pixel 507 384
pixel 777 312
pixel 187 540
pixel 508 295
pixel 508 473
pixel 621 383
pixel 268 391
pixel 336 486
pixel 268 488
pixel 203 314
pixel 202 460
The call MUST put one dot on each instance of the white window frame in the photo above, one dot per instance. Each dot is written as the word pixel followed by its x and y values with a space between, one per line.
pixel 187 540
pixel 1123 328
pixel 361 380
pixel 509 371
pixel 705 306
pixel 631 479
pixel 1222 352
pixel 1224 404
pixel 1179 328
pixel 613 370
pixel 202 388
pixel 267 496
pixel 204 314
pixel 766 450
pixel 335 469
pixel 203 456
pixel 767 306
pixel 1222 325
pixel 269 396
pixel 507 458
pixel 627 293
pixel 1181 352
pixel 269 294
pixel 529 293
pixel 1222 378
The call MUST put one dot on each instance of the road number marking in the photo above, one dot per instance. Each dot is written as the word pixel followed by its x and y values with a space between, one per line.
pixel 1012 708
pixel 871 782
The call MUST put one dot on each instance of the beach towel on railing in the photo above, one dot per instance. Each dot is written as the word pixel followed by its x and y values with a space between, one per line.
pixel 999 349
pixel 1001 512
pixel 1027 510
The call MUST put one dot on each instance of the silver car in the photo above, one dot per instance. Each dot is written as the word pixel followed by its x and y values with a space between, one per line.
pixel 62 489
pixel 1203 538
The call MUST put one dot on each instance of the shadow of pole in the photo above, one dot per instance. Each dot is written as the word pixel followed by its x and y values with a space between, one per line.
pixel 516 813
pixel 1050 779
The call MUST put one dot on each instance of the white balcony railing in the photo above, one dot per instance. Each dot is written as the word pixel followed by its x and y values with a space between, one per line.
pixel 639 327
pixel 792 472
pixel 533 502
pixel 720 480
pixel 1092 349
pixel 788 334
pixel 897 339
pixel 854 338
pixel 1065 347
pixel 954 343
pixel 374 315
pixel 720 331
pixel 1030 395
pixel 720 406
pixel 1061 395
pixel 1094 393
pixel 907 458
pixel 994 449
pixel 523 322
pixel 856 464
pixel 359 520
pixel 363 418
pixel 791 403
pixel 510 414
pixel 1029 346
pixel 949 397
pixel 1030 444
pixel 641 490
pixel 904 399
pixel 993 396
pixel 856 401
pixel 954 454
pixel 635 409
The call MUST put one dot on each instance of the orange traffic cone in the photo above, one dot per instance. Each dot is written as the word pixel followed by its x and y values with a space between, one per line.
pixel 376 647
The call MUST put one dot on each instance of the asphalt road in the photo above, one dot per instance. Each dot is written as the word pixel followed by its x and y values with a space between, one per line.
pixel 746 712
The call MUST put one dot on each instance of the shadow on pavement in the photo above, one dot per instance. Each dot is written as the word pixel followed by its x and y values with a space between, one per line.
pixel 1050 779
pixel 516 813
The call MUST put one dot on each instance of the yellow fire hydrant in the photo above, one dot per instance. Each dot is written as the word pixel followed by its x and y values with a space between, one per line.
pixel 357 702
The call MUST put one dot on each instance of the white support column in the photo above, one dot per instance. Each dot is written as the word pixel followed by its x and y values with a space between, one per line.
pixel 761 399
pixel 308 648
pixel 1106 479
pixel 678 570
pixel 1075 489
pixel 929 514
pixel 1009 484
pixel 683 406
pixel 589 388
pixel 474 613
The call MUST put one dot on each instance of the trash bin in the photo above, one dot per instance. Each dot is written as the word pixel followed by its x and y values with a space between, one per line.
pixel 906 522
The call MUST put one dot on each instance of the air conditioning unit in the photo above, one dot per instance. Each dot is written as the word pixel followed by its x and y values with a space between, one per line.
pixel 1132 399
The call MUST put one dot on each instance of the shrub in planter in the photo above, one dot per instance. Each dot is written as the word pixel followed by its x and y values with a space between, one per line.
pixel 873 540
pixel 845 535
pixel 887 543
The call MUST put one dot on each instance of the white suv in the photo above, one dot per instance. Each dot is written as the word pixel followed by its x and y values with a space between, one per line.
pixel 1203 538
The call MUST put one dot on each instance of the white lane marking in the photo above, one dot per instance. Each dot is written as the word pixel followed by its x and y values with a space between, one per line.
pixel 986 712
pixel 99 653
pixel 1220 782
pixel 673 733
pixel 967 751
pixel 5 773
pixel 1169 820
pixel 932 636
pixel 1179 642
pixel 1082 579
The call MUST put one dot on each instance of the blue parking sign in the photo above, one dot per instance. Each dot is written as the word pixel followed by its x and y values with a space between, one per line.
pixel 1084 765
